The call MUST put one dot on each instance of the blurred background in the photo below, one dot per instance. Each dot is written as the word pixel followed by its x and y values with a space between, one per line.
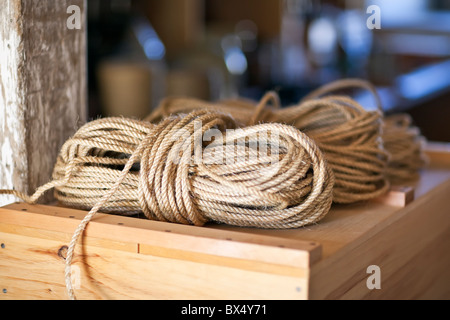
pixel 142 51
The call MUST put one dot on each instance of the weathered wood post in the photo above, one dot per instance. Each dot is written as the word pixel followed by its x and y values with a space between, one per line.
pixel 42 86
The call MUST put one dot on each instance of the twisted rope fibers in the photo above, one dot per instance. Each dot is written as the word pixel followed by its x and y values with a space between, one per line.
pixel 278 177
pixel 127 166
pixel 403 141
pixel 367 150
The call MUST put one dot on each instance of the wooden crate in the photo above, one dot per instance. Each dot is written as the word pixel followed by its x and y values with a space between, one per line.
pixel 406 234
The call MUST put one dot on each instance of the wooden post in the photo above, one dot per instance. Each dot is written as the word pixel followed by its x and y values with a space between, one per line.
pixel 42 86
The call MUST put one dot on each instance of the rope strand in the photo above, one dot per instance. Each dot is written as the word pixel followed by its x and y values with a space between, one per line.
pixel 217 164
pixel 267 176
pixel 350 136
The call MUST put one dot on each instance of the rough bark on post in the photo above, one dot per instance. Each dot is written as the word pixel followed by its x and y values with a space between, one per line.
pixel 42 87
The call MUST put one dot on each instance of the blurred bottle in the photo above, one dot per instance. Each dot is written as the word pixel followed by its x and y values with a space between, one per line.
pixel 322 43
pixel 355 39
pixel 130 81
pixel 293 67
pixel 236 63
pixel 198 71
pixel 284 63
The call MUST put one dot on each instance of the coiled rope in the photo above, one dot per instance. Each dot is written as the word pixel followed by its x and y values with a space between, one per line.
pixel 402 141
pixel 238 179
pixel 276 178
pixel 367 150
pixel 405 144
pixel 348 135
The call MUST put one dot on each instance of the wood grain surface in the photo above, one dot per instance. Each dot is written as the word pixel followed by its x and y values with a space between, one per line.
pixel 42 88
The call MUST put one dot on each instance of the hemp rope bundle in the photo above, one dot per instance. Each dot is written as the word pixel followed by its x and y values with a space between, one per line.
pixel 163 173
pixel 405 144
pixel 266 191
pixel 348 135
pixel 125 166
pixel 361 174
pixel 350 139
pixel 403 141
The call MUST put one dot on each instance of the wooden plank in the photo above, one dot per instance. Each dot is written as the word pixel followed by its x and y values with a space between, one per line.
pixel 438 154
pixel 276 270
pixel 40 233
pixel 397 196
pixel 424 276
pixel 231 244
pixel 346 224
pixel 42 88
pixel 240 263
pixel 392 246
pixel 406 242
pixel 30 268
pixel 177 254
pixel 343 225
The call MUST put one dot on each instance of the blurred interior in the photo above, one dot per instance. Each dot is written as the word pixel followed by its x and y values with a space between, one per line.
pixel 142 51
